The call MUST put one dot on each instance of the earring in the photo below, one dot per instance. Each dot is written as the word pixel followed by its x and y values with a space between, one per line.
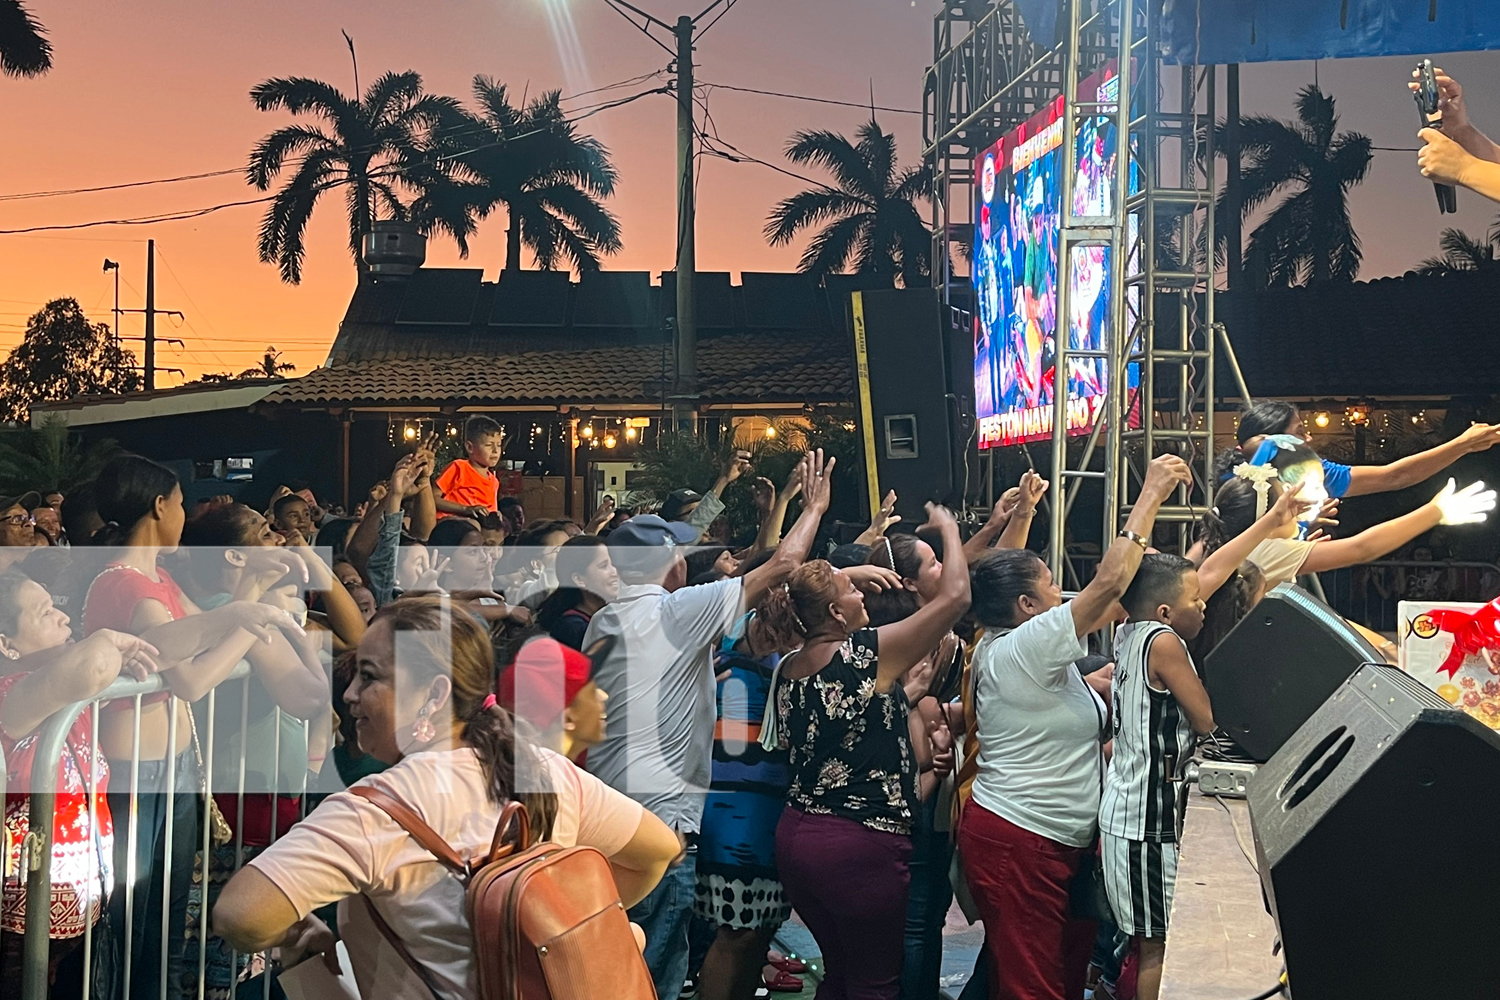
pixel 423 731
pixel 10 654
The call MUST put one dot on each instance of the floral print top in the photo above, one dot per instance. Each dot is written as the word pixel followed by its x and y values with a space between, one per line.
pixel 850 751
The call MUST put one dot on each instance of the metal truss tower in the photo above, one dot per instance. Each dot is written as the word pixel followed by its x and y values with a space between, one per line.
pixel 987 77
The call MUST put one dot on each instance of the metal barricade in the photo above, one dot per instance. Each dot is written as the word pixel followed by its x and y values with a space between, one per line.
pixel 1369 593
pixel 50 746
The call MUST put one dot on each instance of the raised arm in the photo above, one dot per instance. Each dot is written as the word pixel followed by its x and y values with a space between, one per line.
pixel 1092 608
pixel 1414 469
pixel 1000 518
pixel 421 493
pixel 1227 559
pixel 772 505
pixel 1456 121
pixel 817 481
pixel 904 643
pixel 884 518
pixel 1016 534
pixel 1470 505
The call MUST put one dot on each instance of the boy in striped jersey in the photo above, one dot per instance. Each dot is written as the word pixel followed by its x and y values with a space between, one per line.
pixel 1159 703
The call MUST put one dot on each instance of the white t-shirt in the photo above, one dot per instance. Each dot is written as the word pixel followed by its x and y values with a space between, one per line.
pixel 659 740
pixel 348 846
pixel 1280 559
pixel 1038 728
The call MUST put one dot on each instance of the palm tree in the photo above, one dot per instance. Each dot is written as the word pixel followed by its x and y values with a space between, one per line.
pixel 49 459
pixel 532 161
pixel 373 145
pixel 271 366
pixel 1462 252
pixel 23 49
pixel 1308 236
pixel 869 219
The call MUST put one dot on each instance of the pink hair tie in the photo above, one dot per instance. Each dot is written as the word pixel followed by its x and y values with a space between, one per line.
pixel 489 703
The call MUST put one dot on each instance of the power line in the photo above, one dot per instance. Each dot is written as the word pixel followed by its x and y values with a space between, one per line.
pixel 26 196
pixel 814 100
pixel 394 171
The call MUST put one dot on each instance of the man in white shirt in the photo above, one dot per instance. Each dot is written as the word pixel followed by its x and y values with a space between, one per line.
pixel 659 677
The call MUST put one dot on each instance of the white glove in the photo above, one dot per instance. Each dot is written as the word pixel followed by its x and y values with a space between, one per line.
pixel 1470 505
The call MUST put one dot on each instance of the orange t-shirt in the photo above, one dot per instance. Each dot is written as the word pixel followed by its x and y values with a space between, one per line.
pixel 462 483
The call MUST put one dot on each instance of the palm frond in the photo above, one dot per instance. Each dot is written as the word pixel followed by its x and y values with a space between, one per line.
pixel 839 157
pixel 809 208
pixel 24 49
pixel 829 251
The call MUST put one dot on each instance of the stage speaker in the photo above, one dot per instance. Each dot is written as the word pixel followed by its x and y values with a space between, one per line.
pixel 914 416
pixel 1371 826
pixel 1273 670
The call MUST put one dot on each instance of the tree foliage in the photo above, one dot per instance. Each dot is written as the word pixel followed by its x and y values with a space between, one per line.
pixel 869 219
pixel 49 459
pixel 24 49
pixel 61 356
pixel 530 160
pixel 372 146
pixel 1463 253
pixel 1308 236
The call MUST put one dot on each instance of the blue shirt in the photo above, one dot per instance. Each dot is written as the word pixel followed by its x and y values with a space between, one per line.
pixel 1336 478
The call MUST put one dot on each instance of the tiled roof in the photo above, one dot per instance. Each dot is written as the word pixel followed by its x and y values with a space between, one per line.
pixel 733 368
pixel 1416 335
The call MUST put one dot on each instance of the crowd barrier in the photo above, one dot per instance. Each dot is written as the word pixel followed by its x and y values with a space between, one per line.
pixel 1369 593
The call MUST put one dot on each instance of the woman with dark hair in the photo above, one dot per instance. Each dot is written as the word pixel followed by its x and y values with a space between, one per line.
pixel 141 504
pixel 1032 819
pixel 45 672
pixel 587 581
pixel 1272 417
pixel 534 561
pixel 456 762
pixel 844 839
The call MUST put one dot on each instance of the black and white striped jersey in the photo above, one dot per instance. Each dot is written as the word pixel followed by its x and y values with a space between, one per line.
pixel 1153 741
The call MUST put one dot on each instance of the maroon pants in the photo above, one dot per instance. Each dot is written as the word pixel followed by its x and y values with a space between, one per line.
pixel 849 884
pixel 1020 881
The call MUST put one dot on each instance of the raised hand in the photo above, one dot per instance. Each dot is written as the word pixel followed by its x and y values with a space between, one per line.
pixel 1480 437
pixel 1450 98
pixel 429 577
pixel 1032 488
pixel 939 516
pixel 1005 506
pixel 873 579
pixel 1163 476
pixel 887 515
pixel 601 516
pixel 737 466
pixel 817 481
pixel 1470 505
pixel 1290 506
pixel 763 492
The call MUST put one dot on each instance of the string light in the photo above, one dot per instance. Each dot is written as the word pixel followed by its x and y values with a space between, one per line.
pixel 409 433
pixel 770 430
pixel 609 441
pixel 630 433
pixel 1321 420
pixel 588 430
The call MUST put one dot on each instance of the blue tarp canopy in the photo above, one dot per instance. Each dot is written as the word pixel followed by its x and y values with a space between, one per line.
pixel 1213 32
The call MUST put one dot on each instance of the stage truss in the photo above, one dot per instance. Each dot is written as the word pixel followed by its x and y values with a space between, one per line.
pixel 988 76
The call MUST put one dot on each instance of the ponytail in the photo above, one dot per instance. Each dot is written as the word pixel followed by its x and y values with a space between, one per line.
pixel 126 493
pixel 791 612
pixel 503 753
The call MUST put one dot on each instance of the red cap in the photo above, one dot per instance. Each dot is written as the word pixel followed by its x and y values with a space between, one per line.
pixel 549 676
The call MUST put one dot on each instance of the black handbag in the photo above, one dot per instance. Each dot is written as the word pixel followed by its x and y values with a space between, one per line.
pixel 1087 897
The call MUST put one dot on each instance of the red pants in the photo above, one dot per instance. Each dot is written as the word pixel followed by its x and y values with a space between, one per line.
pixel 1019 881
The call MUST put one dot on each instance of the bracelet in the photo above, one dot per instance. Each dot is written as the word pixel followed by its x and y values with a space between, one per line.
pixel 1140 540
pixel 1024 512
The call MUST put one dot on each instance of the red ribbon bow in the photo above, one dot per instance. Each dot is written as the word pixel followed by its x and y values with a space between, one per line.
pixel 1471 632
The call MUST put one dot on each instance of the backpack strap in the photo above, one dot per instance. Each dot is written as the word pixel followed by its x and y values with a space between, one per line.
pixel 396 943
pixel 412 824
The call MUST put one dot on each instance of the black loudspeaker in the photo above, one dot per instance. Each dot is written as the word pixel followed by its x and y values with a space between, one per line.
pixel 918 450
pixel 1366 823
pixel 1273 670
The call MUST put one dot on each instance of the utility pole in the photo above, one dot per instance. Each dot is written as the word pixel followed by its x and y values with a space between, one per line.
pixel 683 34
pixel 114 265
pixel 150 313
pixel 685 333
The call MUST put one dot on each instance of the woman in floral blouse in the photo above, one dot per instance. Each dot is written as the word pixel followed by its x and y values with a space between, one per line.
pixel 844 839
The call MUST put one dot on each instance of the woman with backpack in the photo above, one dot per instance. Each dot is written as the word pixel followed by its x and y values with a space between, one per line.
pixel 429 712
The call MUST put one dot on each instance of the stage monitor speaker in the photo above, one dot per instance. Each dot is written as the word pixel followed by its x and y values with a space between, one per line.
pixel 1371 826
pixel 918 452
pixel 1273 670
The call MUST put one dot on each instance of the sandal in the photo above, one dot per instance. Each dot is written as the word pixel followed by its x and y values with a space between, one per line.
pixel 781 982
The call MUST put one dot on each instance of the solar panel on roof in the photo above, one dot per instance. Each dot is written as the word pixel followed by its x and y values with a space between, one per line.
pixel 440 296
pixel 715 307
pixel 613 299
pixel 779 301
pixel 531 298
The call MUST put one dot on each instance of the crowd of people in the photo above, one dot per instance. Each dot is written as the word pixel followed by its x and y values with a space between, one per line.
pixel 854 733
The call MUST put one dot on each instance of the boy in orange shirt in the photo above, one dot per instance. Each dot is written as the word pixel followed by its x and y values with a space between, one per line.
pixel 469 486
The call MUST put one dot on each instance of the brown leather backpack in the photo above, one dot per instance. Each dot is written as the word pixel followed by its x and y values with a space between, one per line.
pixel 548 923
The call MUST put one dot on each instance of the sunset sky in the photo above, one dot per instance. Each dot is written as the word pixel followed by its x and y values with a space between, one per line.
pixel 158 88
